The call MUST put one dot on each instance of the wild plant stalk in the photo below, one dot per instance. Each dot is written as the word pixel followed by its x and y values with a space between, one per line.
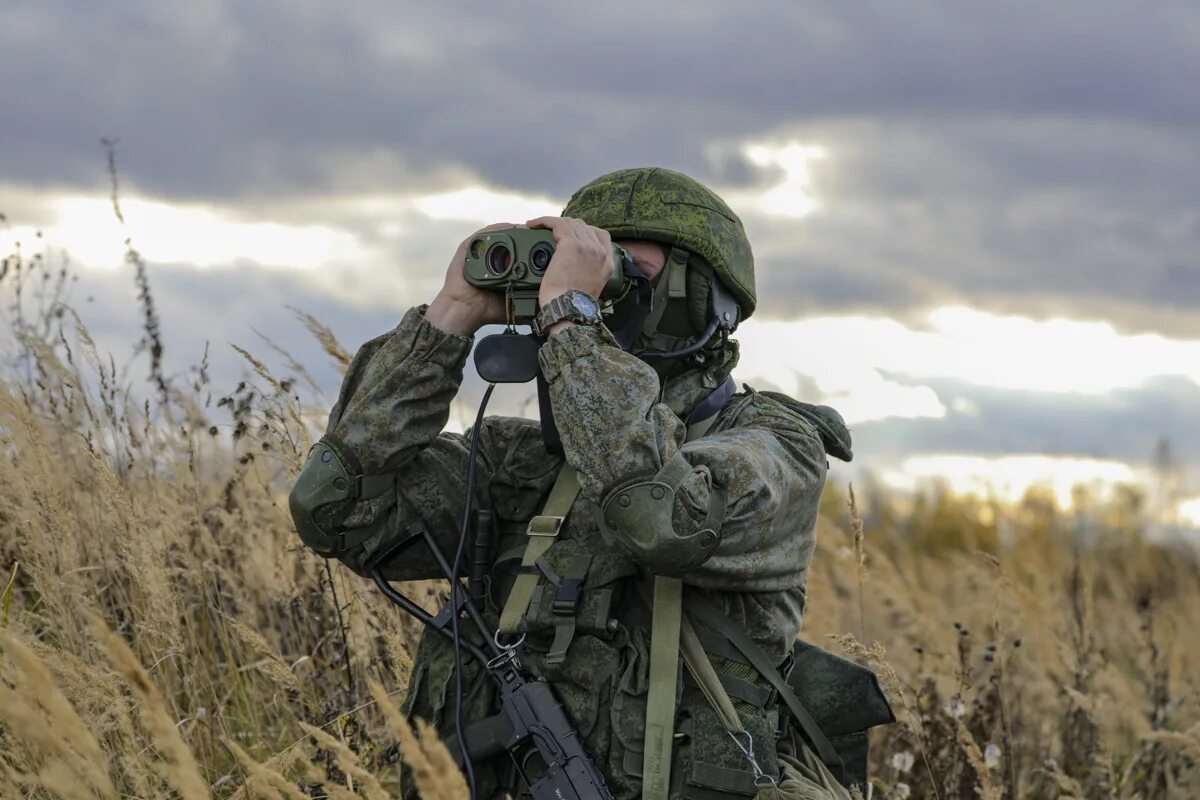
pixel 151 326
pixel 222 656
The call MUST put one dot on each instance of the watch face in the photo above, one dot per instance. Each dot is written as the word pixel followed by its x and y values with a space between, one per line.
pixel 585 305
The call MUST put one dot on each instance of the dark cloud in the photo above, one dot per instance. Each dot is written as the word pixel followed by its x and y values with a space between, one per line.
pixel 1050 215
pixel 216 98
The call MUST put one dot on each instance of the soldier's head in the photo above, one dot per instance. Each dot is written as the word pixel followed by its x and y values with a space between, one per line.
pixel 686 239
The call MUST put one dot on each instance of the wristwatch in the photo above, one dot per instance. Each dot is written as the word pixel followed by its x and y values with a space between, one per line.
pixel 570 306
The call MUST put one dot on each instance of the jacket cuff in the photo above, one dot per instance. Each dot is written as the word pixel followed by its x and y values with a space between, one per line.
pixel 431 343
pixel 570 345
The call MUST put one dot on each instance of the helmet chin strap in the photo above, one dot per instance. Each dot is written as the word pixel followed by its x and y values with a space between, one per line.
pixel 723 315
pixel 642 313
pixel 650 300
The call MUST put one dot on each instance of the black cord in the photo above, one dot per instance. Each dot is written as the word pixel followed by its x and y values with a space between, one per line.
pixel 686 351
pixel 468 502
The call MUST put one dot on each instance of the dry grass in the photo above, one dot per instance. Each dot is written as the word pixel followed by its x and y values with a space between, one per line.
pixel 163 634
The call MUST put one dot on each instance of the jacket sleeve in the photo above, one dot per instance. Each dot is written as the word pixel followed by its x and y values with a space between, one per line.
pixel 387 426
pixel 741 502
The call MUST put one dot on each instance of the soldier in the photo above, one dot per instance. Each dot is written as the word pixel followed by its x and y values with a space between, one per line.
pixel 668 473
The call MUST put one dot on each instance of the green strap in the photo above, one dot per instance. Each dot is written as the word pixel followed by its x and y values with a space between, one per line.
pixel 364 487
pixel 665 642
pixel 707 678
pixel 566 603
pixel 726 780
pixel 742 689
pixel 542 532
pixel 698 429
pixel 660 700
pixel 662 287
pixel 676 276
pixel 711 616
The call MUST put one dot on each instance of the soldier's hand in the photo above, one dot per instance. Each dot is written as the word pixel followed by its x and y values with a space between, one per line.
pixel 582 257
pixel 460 307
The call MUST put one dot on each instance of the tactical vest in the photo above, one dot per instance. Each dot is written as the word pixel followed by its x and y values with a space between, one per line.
pixel 720 722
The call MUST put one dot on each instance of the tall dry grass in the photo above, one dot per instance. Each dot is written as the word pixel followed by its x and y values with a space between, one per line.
pixel 162 634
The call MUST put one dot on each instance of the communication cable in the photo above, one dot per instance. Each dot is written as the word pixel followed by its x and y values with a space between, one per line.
pixel 455 588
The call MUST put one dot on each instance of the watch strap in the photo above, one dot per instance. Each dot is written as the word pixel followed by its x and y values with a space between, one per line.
pixel 562 309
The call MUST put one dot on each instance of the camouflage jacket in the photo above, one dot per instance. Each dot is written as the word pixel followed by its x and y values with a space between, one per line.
pixel 614 424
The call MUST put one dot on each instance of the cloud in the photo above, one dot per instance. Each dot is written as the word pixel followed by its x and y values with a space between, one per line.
pixel 1045 216
pixel 877 367
pixel 195 234
pixel 1124 425
pixel 887 159
pixel 223 98
pixel 1026 171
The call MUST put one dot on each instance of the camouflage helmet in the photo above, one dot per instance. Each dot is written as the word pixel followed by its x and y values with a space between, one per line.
pixel 669 207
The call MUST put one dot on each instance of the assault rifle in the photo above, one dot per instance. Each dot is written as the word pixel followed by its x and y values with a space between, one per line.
pixel 532 727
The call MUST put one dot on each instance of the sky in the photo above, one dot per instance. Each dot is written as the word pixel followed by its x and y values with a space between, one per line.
pixel 976 226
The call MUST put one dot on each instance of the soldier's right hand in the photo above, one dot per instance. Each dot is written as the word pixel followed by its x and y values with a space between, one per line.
pixel 460 307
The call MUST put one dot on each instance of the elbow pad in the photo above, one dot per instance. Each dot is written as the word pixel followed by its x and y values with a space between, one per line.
pixel 324 494
pixel 640 514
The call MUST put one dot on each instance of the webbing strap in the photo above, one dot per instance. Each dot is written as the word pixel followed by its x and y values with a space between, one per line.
pixel 666 640
pixel 364 487
pixel 660 696
pixel 662 289
pixel 566 604
pixel 542 532
pixel 741 689
pixel 676 276
pixel 705 414
pixel 711 616
pixel 707 678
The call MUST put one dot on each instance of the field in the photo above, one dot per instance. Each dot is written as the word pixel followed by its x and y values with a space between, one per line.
pixel 163 634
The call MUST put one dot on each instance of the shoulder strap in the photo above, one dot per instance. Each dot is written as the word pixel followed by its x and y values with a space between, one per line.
pixel 666 627
pixel 667 613
pixel 705 413
pixel 542 532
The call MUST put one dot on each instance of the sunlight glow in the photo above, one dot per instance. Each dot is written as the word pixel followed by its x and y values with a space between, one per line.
pixel 198 235
pixel 1007 478
pixel 874 367
pixel 791 197
pixel 787 355
pixel 485 206
pixel 1189 511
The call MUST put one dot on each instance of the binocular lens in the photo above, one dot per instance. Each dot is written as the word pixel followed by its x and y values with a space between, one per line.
pixel 498 259
pixel 539 257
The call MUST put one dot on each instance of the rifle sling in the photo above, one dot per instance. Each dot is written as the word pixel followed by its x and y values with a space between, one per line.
pixel 713 618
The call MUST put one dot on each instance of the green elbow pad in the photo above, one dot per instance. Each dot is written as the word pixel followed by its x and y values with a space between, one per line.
pixel 640 516
pixel 323 495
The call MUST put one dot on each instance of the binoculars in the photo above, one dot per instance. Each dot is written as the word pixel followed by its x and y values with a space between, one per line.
pixel 512 261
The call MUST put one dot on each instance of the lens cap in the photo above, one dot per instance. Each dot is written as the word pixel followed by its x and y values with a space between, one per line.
pixel 507 357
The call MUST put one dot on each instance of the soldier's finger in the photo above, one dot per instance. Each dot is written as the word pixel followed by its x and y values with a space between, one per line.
pixel 586 234
pixel 559 226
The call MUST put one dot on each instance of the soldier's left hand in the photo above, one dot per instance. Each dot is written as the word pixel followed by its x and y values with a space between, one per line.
pixel 582 257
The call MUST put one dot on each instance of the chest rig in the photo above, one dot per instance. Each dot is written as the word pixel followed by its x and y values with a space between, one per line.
pixel 740 685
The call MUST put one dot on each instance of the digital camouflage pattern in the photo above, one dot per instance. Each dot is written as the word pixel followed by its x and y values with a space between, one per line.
pixel 668 206
pixel 764 461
